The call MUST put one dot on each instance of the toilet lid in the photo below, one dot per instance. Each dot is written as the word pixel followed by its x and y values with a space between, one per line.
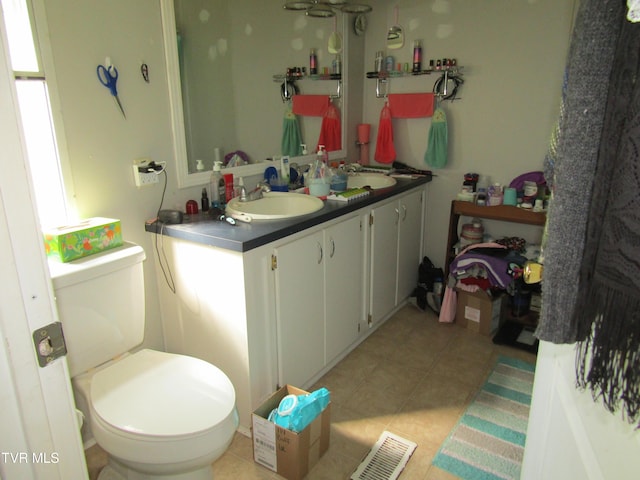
pixel 162 394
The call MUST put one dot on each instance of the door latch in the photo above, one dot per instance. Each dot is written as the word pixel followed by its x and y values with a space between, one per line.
pixel 49 343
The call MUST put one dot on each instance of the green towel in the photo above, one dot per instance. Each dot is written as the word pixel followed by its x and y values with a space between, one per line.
pixel 437 147
pixel 291 136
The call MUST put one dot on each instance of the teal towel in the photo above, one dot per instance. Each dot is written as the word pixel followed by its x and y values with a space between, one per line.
pixel 291 136
pixel 437 147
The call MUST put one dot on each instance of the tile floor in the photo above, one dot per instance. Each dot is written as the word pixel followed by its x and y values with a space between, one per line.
pixel 413 377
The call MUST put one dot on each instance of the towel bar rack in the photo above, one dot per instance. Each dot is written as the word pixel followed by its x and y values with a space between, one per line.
pixel 291 79
pixel 382 79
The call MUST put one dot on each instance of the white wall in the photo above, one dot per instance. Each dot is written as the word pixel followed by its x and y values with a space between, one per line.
pixel 101 144
pixel 570 435
pixel 513 54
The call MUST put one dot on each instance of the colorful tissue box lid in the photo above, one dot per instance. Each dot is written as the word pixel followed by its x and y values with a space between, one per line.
pixel 85 238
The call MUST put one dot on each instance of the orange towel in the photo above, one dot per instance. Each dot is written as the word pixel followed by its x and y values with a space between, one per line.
pixel 411 105
pixel 310 105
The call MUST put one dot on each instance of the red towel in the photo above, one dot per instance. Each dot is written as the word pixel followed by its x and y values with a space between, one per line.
pixel 310 105
pixel 385 151
pixel 411 105
pixel 331 130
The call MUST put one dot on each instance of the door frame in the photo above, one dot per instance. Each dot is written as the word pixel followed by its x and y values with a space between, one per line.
pixel 39 434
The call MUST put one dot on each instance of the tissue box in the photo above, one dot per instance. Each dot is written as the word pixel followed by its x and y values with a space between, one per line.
pixel 288 453
pixel 85 238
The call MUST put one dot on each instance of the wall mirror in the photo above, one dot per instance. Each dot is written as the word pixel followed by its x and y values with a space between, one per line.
pixel 230 101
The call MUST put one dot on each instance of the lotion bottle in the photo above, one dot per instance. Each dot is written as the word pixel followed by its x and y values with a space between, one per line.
pixel 216 182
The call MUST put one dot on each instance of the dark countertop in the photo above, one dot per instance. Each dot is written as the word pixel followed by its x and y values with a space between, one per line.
pixel 242 237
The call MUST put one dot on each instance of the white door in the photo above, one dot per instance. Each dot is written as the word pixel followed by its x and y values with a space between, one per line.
pixel 39 436
pixel 343 285
pixel 299 278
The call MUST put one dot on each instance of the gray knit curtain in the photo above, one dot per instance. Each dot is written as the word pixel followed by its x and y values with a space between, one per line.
pixel 591 288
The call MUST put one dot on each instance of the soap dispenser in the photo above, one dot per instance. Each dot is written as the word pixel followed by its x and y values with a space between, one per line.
pixel 216 185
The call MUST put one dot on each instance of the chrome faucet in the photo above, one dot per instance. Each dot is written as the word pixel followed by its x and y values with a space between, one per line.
pixel 254 194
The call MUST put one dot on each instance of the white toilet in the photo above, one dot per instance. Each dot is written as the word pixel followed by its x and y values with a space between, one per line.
pixel 157 414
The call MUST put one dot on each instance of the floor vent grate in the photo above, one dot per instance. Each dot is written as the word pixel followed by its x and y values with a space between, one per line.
pixel 386 460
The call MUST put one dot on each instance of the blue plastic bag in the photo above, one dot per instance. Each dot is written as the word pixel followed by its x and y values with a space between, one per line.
pixel 296 412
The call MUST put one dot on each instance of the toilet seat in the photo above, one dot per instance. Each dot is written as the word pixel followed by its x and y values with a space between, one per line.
pixel 161 395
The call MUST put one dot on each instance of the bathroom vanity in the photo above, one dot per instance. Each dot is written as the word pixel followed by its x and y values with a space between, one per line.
pixel 283 301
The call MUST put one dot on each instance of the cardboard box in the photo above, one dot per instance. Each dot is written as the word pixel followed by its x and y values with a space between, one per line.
pixel 287 453
pixel 89 236
pixel 479 312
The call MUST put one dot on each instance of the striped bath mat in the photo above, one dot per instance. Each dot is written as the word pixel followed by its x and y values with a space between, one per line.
pixel 488 441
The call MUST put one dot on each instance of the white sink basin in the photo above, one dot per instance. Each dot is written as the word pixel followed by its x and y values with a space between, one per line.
pixel 374 180
pixel 274 206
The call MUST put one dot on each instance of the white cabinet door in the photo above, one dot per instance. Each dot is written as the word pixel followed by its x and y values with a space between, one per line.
pixel 384 260
pixel 344 268
pixel 396 240
pixel 409 244
pixel 299 278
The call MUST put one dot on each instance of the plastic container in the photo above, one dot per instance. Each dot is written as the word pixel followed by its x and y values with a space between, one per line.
pixel 481 197
pixel 510 197
pixel 319 189
pixel 278 184
pixel 318 179
pixel 495 195
pixel 339 182
pixel 296 412
pixel 389 63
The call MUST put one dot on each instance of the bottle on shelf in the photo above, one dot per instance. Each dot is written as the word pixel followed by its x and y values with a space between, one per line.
pixel 495 194
pixel 313 62
pixel 204 202
pixel 417 56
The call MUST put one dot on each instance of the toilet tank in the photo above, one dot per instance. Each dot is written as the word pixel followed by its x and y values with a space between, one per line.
pixel 100 301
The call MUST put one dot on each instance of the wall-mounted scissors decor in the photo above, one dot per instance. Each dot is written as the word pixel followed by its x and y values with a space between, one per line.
pixel 108 76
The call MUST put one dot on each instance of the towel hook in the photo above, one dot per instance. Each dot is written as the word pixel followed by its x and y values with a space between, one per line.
pixel 379 82
pixel 338 90
pixel 441 87
pixel 288 89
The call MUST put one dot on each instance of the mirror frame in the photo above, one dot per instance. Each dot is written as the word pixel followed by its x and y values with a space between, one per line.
pixel 186 179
